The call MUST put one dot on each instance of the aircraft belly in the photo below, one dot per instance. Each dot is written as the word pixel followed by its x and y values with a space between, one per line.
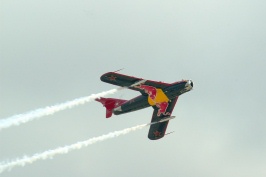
pixel 135 104
pixel 160 97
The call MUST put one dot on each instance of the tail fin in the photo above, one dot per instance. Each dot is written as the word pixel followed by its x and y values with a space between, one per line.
pixel 110 104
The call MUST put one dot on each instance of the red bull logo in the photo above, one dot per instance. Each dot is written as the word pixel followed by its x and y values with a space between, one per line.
pixel 156 98
pixel 162 109
pixel 151 91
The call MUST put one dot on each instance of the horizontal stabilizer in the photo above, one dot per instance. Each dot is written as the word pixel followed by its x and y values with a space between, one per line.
pixel 110 104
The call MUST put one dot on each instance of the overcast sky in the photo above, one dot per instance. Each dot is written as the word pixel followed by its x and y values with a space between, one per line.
pixel 54 51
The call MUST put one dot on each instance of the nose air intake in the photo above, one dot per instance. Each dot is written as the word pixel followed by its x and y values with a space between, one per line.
pixel 191 83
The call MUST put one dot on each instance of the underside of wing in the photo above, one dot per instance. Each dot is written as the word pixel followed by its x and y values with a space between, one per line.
pixel 126 81
pixel 158 130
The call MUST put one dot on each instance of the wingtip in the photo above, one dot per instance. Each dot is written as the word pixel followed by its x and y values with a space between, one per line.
pixel 155 138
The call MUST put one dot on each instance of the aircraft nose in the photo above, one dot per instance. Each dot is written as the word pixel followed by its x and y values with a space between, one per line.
pixel 189 85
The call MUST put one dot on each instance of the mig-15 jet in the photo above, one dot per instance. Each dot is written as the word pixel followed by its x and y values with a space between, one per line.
pixel 161 96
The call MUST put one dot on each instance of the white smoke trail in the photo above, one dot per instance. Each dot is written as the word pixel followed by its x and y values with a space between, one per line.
pixel 64 150
pixel 49 110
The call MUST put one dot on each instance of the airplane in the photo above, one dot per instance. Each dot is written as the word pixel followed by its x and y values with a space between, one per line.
pixel 161 96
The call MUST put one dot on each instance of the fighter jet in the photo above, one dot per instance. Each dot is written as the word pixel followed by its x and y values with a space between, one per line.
pixel 161 96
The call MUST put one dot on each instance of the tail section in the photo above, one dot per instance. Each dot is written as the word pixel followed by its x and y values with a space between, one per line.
pixel 110 104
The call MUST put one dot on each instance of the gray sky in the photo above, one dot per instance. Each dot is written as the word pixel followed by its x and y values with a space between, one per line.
pixel 54 51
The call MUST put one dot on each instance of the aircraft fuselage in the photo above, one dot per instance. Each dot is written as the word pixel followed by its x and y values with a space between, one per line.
pixel 154 96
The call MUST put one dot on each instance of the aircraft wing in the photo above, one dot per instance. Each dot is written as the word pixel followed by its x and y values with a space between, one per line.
pixel 157 130
pixel 126 81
